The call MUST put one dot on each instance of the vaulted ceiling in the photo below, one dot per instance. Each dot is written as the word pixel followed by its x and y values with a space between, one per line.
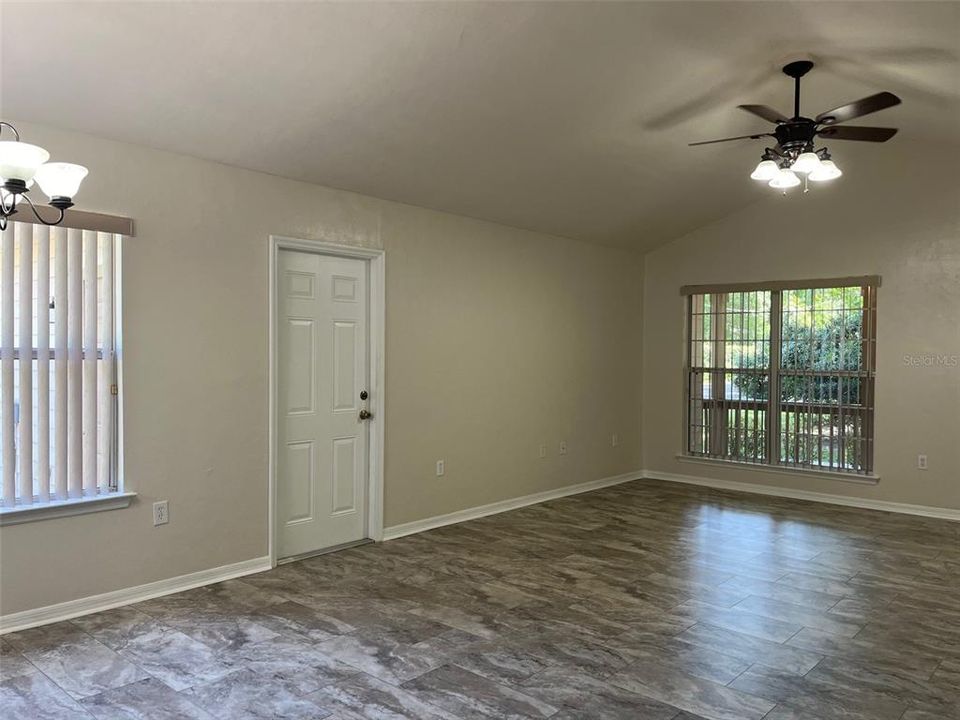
pixel 567 118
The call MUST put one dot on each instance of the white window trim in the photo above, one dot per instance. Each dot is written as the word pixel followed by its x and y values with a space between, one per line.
pixel 868 479
pixel 65 508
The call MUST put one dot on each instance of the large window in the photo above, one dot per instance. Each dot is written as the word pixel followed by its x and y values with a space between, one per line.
pixel 58 385
pixel 783 374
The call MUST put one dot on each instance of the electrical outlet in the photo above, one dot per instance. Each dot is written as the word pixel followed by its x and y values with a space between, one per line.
pixel 441 468
pixel 921 462
pixel 563 447
pixel 543 451
pixel 614 440
pixel 161 513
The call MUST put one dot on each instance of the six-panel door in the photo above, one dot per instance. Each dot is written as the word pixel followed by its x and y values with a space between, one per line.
pixel 322 364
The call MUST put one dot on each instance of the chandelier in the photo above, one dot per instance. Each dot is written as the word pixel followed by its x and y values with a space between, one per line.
pixel 22 165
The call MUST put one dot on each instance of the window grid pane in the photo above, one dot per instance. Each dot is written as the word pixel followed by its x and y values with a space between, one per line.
pixel 728 376
pixel 824 381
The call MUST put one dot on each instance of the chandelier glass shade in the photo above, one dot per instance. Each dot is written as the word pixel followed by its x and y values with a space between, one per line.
pixel 22 165
pixel 60 179
pixel 20 160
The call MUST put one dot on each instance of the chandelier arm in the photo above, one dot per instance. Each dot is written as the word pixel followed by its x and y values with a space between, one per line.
pixel 40 217
pixel 12 129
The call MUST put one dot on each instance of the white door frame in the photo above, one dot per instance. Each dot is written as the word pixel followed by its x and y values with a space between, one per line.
pixel 377 308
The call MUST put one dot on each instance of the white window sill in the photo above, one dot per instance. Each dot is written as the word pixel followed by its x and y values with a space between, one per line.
pixel 64 508
pixel 870 479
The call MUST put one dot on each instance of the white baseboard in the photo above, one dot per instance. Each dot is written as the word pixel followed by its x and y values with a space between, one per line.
pixel 95 603
pixel 866 504
pixel 418 526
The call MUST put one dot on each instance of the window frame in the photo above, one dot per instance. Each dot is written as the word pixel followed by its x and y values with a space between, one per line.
pixel 120 496
pixel 771 459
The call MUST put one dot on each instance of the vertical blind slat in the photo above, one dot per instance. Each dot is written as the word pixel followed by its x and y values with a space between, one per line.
pixel 24 240
pixel 89 362
pixel 6 366
pixel 106 364
pixel 41 239
pixel 60 391
pixel 74 362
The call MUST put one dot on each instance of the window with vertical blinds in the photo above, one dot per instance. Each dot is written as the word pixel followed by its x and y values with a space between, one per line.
pixel 58 350
pixel 783 374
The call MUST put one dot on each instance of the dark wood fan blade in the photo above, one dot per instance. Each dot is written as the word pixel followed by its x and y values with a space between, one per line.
pixel 859 108
pixel 767 113
pixel 741 137
pixel 854 132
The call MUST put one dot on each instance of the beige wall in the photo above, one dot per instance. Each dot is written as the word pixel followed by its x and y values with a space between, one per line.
pixel 498 340
pixel 895 213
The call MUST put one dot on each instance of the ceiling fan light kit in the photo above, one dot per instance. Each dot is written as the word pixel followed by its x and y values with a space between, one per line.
pixel 21 164
pixel 794 153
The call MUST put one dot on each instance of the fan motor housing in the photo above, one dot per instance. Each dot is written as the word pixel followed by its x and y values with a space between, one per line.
pixel 798 133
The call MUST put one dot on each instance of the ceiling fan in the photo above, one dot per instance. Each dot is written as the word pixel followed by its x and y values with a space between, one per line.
pixel 794 151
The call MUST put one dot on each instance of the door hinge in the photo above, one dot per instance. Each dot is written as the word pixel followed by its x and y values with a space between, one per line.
pixel 114 390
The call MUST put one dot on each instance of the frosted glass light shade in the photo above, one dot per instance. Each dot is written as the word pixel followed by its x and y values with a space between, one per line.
pixel 805 163
pixel 20 160
pixel 766 170
pixel 827 171
pixel 59 179
pixel 785 179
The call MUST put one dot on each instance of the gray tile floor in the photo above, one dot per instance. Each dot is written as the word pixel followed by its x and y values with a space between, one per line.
pixel 645 600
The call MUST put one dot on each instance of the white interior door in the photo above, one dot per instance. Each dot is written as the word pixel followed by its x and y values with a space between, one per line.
pixel 323 370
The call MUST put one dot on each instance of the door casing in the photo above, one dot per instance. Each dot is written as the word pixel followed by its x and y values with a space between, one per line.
pixel 376 261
